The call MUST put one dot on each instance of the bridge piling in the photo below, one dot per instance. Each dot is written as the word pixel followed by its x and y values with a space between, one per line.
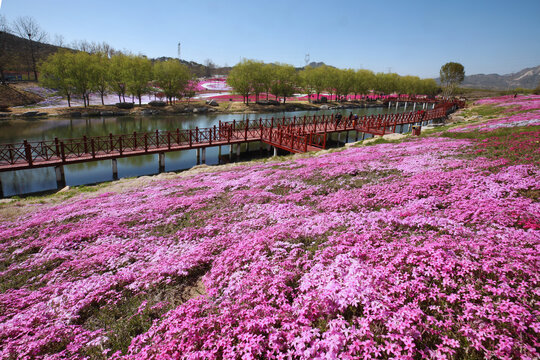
pixel 238 150
pixel 356 137
pixel 204 155
pixel 1 190
pixel 198 156
pixel 405 106
pixel 275 151
pixel 397 104
pixel 114 169
pixel 60 176
pixel 161 159
pixel 414 106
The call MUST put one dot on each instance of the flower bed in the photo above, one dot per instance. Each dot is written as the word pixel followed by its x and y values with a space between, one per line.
pixel 425 248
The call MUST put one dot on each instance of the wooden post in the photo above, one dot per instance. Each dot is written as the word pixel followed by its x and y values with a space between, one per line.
pixel 85 144
pixel 114 169
pixel 120 145
pixel 246 130
pixel 198 156
pixel 275 151
pixel 57 147
pixel 238 149
pixel 145 142
pixel 161 159
pixel 1 190
pixel 157 139
pixel 134 140
pixel 204 155
pixel 28 152
pixel 60 176
pixel 62 151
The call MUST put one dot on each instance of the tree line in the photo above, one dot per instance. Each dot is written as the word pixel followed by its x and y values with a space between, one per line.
pixel 250 77
pixel 81 73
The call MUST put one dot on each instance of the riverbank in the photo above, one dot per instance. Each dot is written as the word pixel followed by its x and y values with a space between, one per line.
pixel 178 109
pixel 397 247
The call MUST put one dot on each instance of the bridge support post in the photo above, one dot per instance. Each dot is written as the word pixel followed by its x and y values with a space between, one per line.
pixel 347 137
pixel 405 106
pixel 238 149
pixel 275 151
pixel 424 106
pixel 363 136
pixel 60 176
pixel 204 155
pixel 433 107
pixel 161 162
pixel 198 156
pixel 414 106
pixel 338 137
pixel 230 151
pixel 356 137
pixel 389 104
pixel 1 190
pixel 397 104
pixel 114 169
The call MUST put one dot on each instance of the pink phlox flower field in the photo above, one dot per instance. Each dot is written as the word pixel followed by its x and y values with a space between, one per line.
pixel 419 249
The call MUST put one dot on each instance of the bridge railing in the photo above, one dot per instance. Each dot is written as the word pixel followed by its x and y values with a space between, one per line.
pixel 295 131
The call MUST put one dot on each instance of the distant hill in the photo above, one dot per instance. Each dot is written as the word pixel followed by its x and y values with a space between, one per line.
pixel 17 59
pixel 527 78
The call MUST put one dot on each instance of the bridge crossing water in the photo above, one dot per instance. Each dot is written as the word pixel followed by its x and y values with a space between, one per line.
pixel 293 134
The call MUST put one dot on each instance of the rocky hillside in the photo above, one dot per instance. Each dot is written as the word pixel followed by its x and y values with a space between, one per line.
pixel 527 78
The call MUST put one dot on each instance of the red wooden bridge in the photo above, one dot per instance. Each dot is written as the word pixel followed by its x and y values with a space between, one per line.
pixel 295 135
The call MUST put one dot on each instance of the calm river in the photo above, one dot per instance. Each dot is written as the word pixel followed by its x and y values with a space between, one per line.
pixel 44 179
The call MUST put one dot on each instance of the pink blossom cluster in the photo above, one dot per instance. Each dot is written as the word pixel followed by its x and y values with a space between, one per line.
pixel 404 251
pixel 524 111
pixel 519 103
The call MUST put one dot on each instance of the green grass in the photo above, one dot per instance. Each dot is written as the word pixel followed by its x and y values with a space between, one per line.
pixel 487 111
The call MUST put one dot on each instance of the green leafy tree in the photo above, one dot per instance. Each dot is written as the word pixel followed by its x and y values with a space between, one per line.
pixel 285 81
pixel 56 73
pixel 240 80
pixel 364 80
pixel 452 74
pixel 139 75
pixel 101 74
pixel 81 75
pixel 172 77
pixel 119 75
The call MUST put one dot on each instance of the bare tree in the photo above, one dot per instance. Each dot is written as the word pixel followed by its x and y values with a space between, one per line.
pixel 27 28
pixel 209 68
pixel 4 30
pixel 59 40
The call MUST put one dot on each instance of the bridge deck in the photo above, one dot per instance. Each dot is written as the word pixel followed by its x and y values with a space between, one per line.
pixel 291 134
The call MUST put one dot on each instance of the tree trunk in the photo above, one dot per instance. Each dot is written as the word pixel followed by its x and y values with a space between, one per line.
pixel 102 101
pixel 140 101
pixel 69 100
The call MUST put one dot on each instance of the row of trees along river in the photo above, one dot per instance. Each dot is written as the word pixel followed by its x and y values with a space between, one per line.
pixel 81 73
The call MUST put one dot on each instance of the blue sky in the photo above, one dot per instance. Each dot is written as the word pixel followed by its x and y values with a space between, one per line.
pixel 407 37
